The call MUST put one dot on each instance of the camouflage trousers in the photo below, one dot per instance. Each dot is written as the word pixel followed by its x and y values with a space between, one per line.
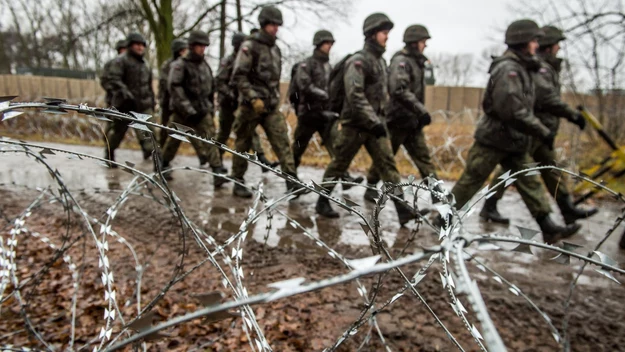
pixel 205 128
pixel 116 130
pixel 553 179
pixel 226 119
pixel 482 160
pixel 276 129
pixel 348 144
pixel 162 136
pixel 414 142
pixel 328 131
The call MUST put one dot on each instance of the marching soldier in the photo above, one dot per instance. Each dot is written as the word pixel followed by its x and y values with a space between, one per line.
pixel 362 121
pixel 504 132
pixel 311 94
pixel 191 87
pixel 178 49
pixel 228 102
pixel 406 113
pixel 130 82
pixel 256 75
pixel 120 47
pixel 548 108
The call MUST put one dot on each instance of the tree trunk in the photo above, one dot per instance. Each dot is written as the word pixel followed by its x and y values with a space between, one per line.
pixel 222 30
pixel 239 18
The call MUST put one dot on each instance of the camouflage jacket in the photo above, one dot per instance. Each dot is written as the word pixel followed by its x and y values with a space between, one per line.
pixel 163 92
pixel 130 81
pixel 509 121
pixel 312 78
pixel 191 86
pixel 406 87
pixel 257 69
pixel 549 107
pixel 366 91
pixel 105 82
pixel 227 93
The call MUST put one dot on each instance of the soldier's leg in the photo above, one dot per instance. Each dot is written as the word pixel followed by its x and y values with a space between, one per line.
pixel 207 153
pixel 396 139
pixel 347 146
pixel 382 156
pixel 301 138
pixel 490 212
pixel 529 187
pixel 145 138
pixel 226 119
pixel 244 127
pixel 481 161
pixel 257 145
pixel 420 154
pixel 276 129
pixel 115 132
pixel 165 115
pixel 171 144
pixel 329 134
pixel 553 179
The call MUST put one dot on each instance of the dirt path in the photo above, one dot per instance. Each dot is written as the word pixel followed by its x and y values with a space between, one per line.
pixel 275 250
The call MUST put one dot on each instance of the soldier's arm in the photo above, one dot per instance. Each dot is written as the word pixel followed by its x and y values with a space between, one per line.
pixel 105 77
pixel 242 67
pixel 399 86
pixel 222 78
pixel 116 79
pixel 211 94
pixel 181 103
pixel 354 81
pixel 304 81
pixel 548 100
pixel 509 106
pixel 162 85
pixel 153 96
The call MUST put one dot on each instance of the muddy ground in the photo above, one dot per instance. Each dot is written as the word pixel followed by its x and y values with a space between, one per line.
pixel 308 322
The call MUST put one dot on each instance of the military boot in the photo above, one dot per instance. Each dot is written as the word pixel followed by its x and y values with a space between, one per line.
pixel 241 191
pixel 371 195
pixel 621 243
pixel 404 212
pixel 166 171
pixel 324 208
pixel 110 156
pixel 571 213
pixel 553 232
pixel 295 187
pixel 219 181
pixel 263 159
pixel 348 178
pixel 490 213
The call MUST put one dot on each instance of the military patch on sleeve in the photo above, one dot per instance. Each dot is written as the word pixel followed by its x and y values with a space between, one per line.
pixel 245 49
pixel 512 74
pixel 358 63
pixel 303 64
pixel 402 64
pixel 542 70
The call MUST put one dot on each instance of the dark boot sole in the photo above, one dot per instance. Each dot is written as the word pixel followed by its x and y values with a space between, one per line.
pixel 487 218
pixel 571 218
pixel 333 215
pixel 560 236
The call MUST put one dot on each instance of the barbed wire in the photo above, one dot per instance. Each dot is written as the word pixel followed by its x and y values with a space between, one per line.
pixel 225 257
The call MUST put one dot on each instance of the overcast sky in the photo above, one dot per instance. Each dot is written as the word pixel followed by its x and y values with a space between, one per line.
pixel 456 26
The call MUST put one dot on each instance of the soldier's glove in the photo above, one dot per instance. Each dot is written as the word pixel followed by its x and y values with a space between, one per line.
pixel 580 121
pixel 379 131
pixel 549 140
pixel 258 105
pixel 425 119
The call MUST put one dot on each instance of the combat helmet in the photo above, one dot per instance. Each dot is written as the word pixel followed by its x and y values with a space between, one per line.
pixel 416 33
pixel 322 36
pixel 522 31
pixel 270 14
pixel 376 22
pixel 199 37
pixel 553 35
pixel 135 37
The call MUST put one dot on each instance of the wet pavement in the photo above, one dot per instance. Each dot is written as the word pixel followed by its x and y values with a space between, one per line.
pixel 219 209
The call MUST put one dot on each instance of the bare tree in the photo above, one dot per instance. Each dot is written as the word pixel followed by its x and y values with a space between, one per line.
pixel 453 69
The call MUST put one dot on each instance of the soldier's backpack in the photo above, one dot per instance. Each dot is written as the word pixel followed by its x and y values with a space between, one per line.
pixel 293 92
pixel 336 87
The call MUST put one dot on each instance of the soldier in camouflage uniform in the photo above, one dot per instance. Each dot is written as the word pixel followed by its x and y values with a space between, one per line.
pixel 192 91
pixel 406 113
pixel 256 75
pixel 548 108
pixel 229 102
pixel 313 115
pixel 362 116
pixel 178 49
pixel 120 47
pixel 504 133
pixel 129 80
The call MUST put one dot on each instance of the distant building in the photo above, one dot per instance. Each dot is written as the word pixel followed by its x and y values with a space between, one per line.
pixel 55 72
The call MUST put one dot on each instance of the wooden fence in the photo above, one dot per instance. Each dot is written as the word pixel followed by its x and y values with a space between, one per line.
pixel 29 88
